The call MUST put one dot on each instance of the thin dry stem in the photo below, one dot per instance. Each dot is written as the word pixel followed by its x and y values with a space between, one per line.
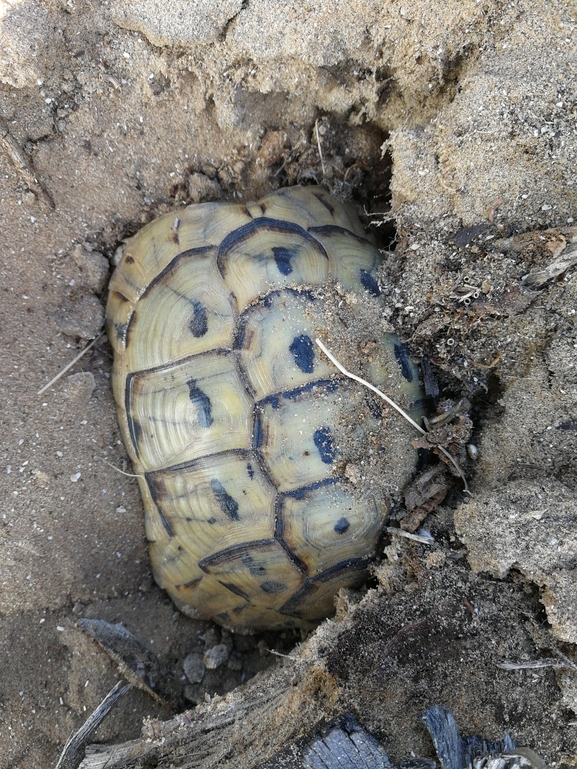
pixel 364 382
pixel 122 472
pixel 319 146
pixel 69 365
pixel 392 403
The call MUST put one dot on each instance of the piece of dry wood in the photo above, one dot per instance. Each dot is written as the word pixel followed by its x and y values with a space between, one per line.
pixel 566 259
pixel 202 737
pixel 22 164
pixel 71 754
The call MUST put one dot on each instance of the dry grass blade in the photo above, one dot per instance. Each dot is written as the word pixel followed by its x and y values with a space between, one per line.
pixel 392 403
pixel 69 365
pixel 320 150
pixel 364 382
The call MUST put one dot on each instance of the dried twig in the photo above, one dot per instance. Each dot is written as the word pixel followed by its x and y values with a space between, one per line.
pixel 422 538
pixel 392 403
pixel 123 472
pixel 536 664
pixel 70 757
pixel 319 146
pixel 69 365
pixel 364 382
pixel 22 164
pixel 539 277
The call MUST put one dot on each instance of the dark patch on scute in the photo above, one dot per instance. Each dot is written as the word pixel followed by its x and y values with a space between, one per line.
pixel 250 471
pixel 303 352
pixel 240 333
pixel 157 490
pixel 199 322
pixel 173 265
pixel 282 257
pixel 193 583
pixel 121 329
pixel 325 203
pixel 350 564
pixel 369 283
pixel 121 296
pixel 404 361
pixel 325 444
pixel 227 504
pixel 165 522
pixel 341 526
pixel 137 430
pixel 273 587
pixel 257 433
pixel 201 402
pixel 234 589
pixel 236 237
pixel 294 605
pixel 255 569
pixel 328 386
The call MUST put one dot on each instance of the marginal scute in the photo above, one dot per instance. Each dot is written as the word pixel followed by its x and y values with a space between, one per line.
pixel 253 565
pixel 239 428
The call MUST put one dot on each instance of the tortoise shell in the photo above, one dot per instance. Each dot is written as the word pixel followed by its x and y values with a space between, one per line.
pixel 266 475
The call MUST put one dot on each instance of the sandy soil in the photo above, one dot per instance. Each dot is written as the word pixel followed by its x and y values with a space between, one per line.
pixel 453 124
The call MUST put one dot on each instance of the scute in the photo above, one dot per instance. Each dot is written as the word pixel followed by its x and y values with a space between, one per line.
pixel 242 433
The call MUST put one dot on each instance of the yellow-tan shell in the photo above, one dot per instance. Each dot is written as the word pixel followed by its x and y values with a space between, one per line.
pixel 233 418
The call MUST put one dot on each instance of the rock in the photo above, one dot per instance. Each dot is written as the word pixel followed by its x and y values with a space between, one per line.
pixel 23 29
pixel 216 656
pixel 273 148
pixel 41 126
pixel 93 266
pixel 79 387
pixel 194 667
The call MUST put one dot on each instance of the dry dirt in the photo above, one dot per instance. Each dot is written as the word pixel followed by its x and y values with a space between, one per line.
pixel 452 124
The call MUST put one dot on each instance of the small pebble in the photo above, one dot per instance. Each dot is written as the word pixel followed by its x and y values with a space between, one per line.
pixel 216 656
pixel 194 667
pixel 211 637
pixel 472 451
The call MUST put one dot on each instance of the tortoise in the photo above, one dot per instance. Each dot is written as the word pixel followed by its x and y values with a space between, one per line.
pixel 266 475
